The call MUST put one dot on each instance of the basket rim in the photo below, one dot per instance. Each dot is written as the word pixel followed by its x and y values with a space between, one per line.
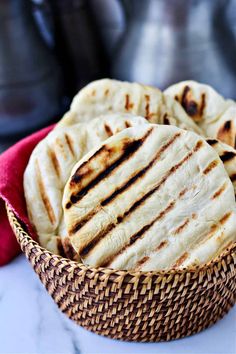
pixel 16 226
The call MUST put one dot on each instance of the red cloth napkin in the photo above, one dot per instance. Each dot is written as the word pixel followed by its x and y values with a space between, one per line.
pixel 12 165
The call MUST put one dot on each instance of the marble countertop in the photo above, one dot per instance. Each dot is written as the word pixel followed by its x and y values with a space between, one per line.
pixel 30 323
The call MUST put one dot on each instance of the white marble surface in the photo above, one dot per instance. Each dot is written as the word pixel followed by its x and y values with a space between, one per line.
pixel 30 323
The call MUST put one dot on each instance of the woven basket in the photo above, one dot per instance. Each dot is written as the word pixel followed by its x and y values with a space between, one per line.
pixel 135 306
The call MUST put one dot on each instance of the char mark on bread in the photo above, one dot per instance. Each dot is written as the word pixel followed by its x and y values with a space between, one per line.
pixel 126 184
pixel 227 156
pixel 44 195
pixel 141 200
pixel 70 144
pixel 129 149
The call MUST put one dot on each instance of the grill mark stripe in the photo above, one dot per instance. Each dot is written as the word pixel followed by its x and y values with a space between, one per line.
pixel 147 106
pixel 143 230
pixel 212 142
pixel 108 130
pixel 169 173
pixel 43 194
pixel 210 167
pixel 162 245
pixel 128 104
pixel 219 191
pixel 180 260
pixel 70 144
pixel 140 173
pixel 138 235
pixel 55 162
pixel 203 104
pixel 181 227
pixel 125 185
pixel 142 261
pixel 90 245
pixel 145 259
pixel 76 176
pixel 127 154
pixel 138 203
pixel 213 230
pixel 227 156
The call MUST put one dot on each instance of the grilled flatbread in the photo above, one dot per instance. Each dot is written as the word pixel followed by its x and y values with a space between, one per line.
pixel 215 115
pixel 228 156
pixel 152 197
pixel 112 96
pixel 50 166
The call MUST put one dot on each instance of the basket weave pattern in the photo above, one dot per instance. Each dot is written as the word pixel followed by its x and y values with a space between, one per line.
pixel 138 306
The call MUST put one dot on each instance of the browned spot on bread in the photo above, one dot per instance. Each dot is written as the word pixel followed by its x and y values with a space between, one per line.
pixel 181 227
pixel 162 245
pixel 198 145
pixel 221 222
pixel 129 148
pixel 176 98
pixel 142 261
pixel 55 161
pixel 225 218
pixel 180 260
pixel 106 92
pixel 43 194
pixel 182 192
pixel 202 105
pixel 104 151
pixel 226 133
pixel 212 142
pixel 233 177
pixel 147 106
pixel 227 156
pixel 93 93
pixel 190 106
pixel 70 144
pixel 68 249
pixel 108 130
pixel 219 191
pixel 84 171
pixel 127 124
pixel 166 119
pixel 210 167
pixel 128 105
pixel 227 125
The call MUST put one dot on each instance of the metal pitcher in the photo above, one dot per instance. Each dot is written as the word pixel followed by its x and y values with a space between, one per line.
pixel 30 86
pixel 167 41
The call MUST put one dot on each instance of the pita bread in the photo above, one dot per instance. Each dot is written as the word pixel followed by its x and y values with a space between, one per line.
pixel 228 156
pixel 112 96
pixel 50 166
pixel 215 115
pixel 151 197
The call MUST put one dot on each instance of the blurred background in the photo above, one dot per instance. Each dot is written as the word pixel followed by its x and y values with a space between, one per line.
pixel 49 49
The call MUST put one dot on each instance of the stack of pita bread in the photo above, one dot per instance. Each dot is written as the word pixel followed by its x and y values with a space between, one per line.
pixel 133 178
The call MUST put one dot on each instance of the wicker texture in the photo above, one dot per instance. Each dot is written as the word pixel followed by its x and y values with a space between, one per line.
pixel 150 306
